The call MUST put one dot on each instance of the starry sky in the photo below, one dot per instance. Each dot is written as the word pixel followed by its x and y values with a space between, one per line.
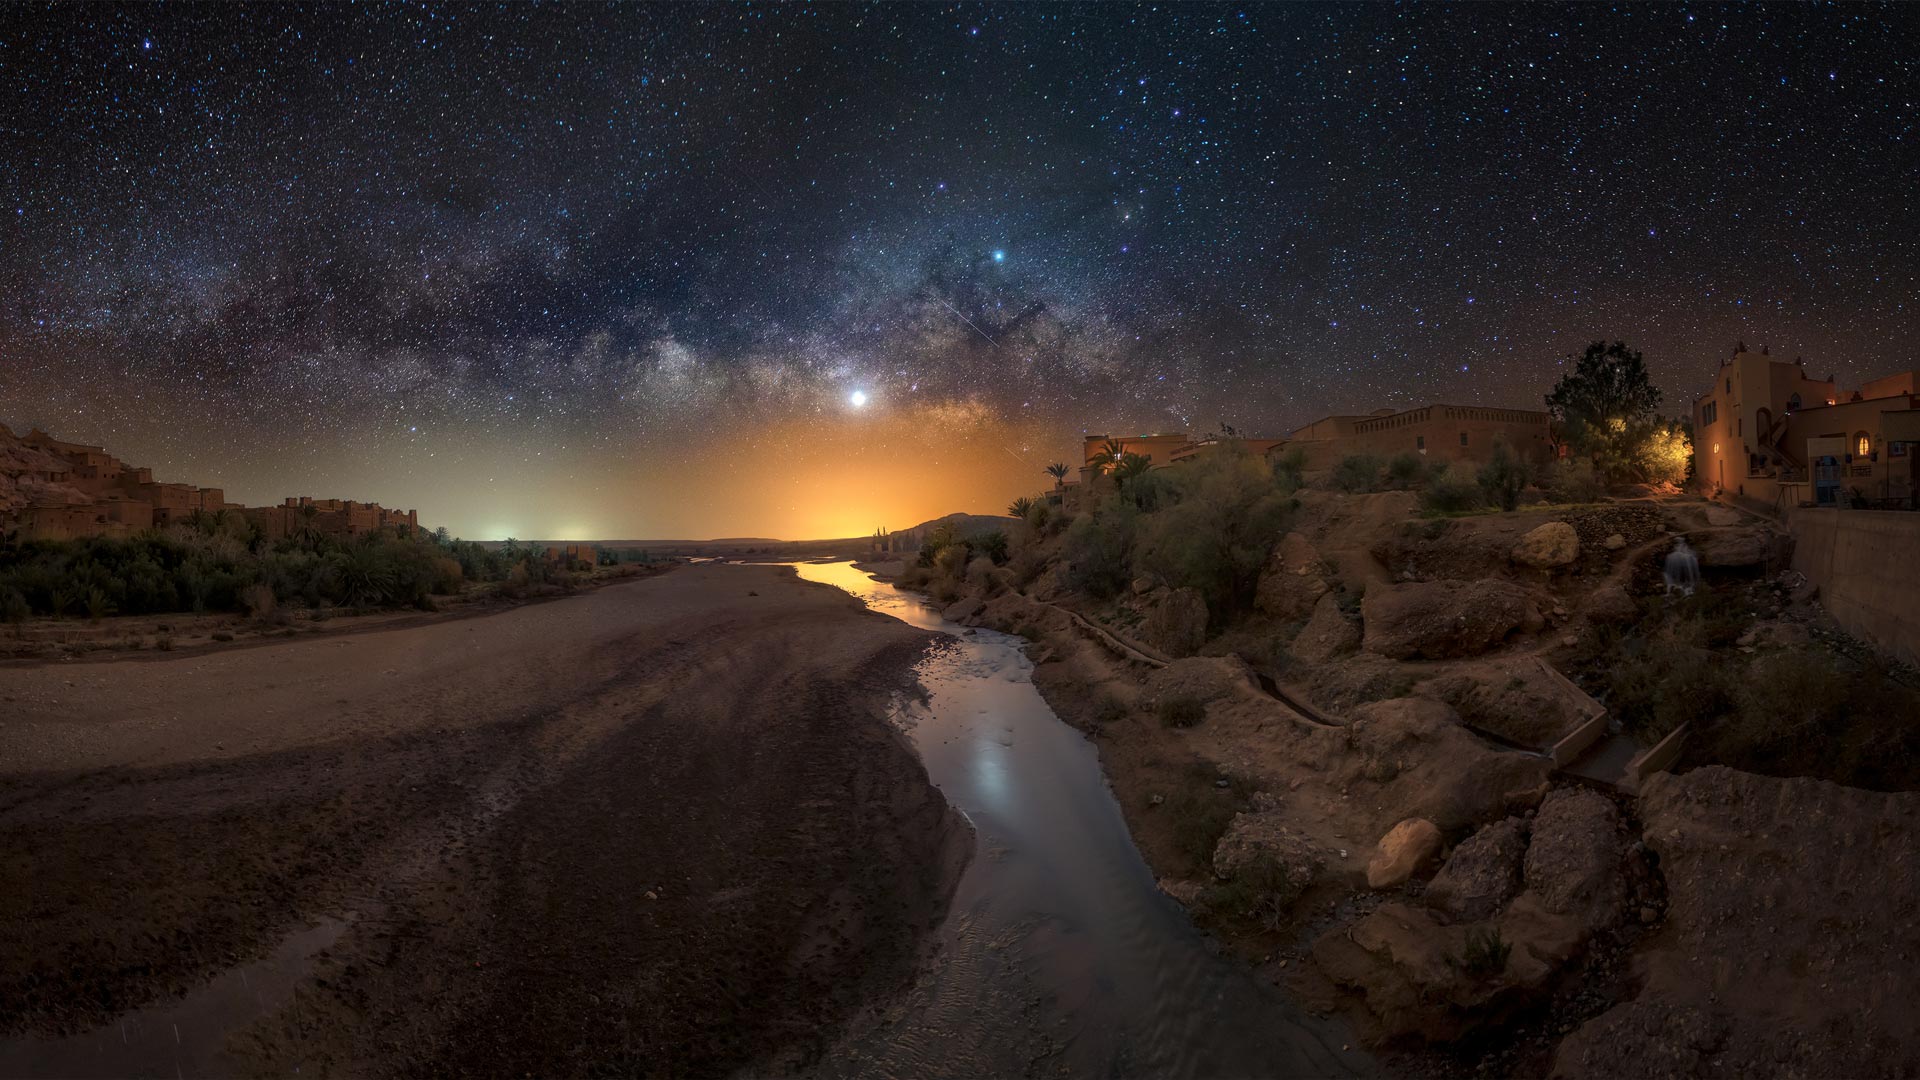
pixel 595 272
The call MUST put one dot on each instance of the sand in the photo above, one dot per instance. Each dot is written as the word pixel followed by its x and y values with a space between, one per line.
pixel 662 827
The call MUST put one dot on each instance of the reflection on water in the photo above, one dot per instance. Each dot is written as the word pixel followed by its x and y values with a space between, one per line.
pixel 1059 954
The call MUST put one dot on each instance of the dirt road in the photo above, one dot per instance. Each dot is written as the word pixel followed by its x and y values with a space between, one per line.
pixel 660 828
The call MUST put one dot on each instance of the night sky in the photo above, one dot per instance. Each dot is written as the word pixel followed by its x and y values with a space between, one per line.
pixel 618 272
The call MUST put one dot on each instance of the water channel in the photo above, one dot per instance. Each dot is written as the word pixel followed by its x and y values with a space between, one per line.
pixel 1059 955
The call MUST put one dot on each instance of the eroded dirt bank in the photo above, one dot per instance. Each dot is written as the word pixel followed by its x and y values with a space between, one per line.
pixel 660 828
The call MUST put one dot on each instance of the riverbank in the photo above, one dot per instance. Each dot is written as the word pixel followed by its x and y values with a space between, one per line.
pixel 660 827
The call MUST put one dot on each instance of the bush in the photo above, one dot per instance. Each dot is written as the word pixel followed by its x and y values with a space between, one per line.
pixel 1220 530
pixel 1485 952
pixel 1504 476
pixel 1573 480
pixel 1262 890
pixel 1199 814
pixel 1355 474
pixel 1289 469
pixel 1180 712
pixel 1097 552
pixel 13 606
pixel 1450 491
pixel 257 600
pixel 1406 471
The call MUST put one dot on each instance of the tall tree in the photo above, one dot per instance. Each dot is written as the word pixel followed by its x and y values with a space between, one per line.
pixel 1603 408
pixel 1058 470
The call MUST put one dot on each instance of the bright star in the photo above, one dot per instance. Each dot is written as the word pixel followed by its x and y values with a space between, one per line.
pixel 857 399
pixel 999 256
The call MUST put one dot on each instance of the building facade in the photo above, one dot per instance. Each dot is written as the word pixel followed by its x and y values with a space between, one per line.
pixel 1769 433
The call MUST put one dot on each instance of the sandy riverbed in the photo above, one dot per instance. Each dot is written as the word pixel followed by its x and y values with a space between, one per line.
pixel 658 828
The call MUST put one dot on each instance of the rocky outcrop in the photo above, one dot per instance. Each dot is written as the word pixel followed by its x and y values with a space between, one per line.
pixel 1439 620
pixel 1291 585
pixel 1176 622
pixel 1402 852
pixel 1329 633
pixel 1741 547
pixel 1482 874
pixel 1609 604
pixel 1789 946
pixel 1419 762
pixel 1261 842
pixel 1573 863
pixel 1548 546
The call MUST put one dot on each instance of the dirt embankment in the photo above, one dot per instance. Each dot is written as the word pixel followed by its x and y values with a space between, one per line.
pixel 660 828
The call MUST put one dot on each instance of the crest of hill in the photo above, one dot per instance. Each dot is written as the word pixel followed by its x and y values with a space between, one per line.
pixel 968 524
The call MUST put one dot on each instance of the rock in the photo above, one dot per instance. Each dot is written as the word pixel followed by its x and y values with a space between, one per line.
pixel 1402 852
pixel 1610 604
pixel 1441 620
pixel 1752 546
pixel 1722 515
pixel 1547 546
pixel 1573 860
pixel 1260 840
pixel 1187 891
pixel 1415 760
pixel 1176 624
pixel 1788 928
pixel 1482 874
pixel 1329 633
pixel 962 609
pixel 1614 542
pixel 1649 916
pixel 1156 800
pixel 1142 586
pixel 1291 584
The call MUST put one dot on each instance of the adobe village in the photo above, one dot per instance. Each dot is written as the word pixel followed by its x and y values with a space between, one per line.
pixel 1573 742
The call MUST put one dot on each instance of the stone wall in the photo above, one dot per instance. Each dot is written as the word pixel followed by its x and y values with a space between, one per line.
pixel 1867 564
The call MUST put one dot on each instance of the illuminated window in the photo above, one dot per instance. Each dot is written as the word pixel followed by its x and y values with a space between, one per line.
pixel 1862 445
pixel 1716 448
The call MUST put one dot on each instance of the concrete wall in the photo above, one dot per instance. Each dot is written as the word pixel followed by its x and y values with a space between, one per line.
pixel 1867 564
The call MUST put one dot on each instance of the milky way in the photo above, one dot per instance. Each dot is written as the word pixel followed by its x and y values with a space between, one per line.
pixel 620 270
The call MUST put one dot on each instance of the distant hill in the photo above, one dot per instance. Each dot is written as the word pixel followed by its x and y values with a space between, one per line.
pixel 968 524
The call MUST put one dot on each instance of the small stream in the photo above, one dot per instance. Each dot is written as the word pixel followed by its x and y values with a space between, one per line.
pixel 1059 955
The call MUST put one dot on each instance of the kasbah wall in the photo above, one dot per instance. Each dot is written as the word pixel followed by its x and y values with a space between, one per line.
pixel 56 490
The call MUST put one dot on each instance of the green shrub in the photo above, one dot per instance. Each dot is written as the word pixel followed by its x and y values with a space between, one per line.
pixel 1097 551
pixel 1484 952
pixel 1504 476
pixel 1181 711
pixel 1289 469
pixel 13 606
pixel 1262 890
pixel 1355 474
pixel 1573 480
pixel 1216 536
pixel 1406 471
pixel 1199 814
pixel 1450 491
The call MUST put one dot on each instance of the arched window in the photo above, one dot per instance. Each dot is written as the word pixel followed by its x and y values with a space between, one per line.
pixel 1862 444
pixel 1793 403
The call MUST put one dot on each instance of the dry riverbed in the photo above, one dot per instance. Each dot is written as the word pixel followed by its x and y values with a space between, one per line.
pixel 661 827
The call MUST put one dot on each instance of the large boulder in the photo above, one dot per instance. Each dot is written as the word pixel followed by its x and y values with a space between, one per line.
pixel 1415 760
pixel 1329 633
pixel 1548 546
pixel 1291 584
pixel 1402 852
pixel 1176 623
pixel 1260 842
pixel 1609 604
pixel 1573 864
pixel 1740 547
pixel 1439 620
pixel 1482 874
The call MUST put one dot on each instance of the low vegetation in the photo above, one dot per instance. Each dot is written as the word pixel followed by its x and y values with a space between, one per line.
pixel 222 562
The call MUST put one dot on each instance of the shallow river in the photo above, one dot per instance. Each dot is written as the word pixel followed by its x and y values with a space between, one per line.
pixel 1059 956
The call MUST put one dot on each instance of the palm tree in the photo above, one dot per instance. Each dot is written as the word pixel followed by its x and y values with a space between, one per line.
pixel 309 536
pixel 1058 470
pixel 1021 507
pixel 1130 467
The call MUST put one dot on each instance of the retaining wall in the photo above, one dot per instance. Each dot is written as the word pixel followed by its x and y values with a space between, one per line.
pixel 1867 564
